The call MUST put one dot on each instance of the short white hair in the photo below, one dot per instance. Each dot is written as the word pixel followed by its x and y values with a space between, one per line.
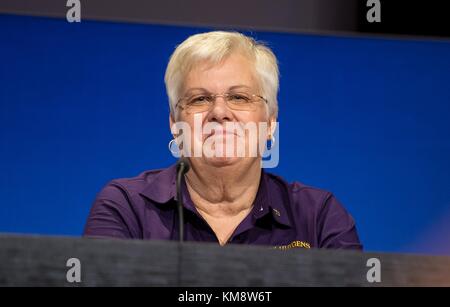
pixel 214 47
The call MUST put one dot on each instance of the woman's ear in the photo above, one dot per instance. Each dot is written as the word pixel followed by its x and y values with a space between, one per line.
pixel 272 126
pixel 171 122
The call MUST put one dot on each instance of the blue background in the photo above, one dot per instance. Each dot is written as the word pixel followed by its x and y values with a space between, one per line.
pixel 366 118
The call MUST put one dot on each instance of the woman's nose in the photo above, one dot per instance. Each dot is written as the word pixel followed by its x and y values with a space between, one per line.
pixel 220 112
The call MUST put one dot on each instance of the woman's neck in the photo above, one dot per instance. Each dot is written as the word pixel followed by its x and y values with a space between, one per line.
pixel 224 191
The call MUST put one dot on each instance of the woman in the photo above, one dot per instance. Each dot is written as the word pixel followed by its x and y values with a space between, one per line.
pixel 226 84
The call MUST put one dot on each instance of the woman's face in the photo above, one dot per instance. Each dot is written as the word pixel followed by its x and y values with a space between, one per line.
pixel 225 132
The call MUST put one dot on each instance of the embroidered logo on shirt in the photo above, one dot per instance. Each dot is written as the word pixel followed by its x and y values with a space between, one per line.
pixel 294 244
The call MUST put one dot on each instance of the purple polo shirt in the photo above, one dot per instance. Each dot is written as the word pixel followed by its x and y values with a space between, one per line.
pixel 284 215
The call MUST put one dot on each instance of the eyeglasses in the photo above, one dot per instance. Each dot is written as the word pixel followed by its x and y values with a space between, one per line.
pixel 239 101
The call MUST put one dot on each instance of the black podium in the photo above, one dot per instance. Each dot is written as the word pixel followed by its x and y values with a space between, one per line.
pixel 45 261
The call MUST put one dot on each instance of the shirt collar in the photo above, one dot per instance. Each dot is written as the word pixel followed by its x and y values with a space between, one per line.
pixel 272 196
pixel 162 188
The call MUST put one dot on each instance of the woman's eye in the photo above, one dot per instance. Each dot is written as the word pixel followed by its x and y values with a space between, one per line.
pixel 199 99
pixel 239 98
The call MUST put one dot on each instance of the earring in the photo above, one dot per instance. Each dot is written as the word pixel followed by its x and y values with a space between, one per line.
pixel 175 153
pixel 272 142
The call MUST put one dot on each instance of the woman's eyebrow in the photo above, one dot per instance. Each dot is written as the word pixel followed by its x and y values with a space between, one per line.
pixel 234 87
pixel 202 89
pixel 193 89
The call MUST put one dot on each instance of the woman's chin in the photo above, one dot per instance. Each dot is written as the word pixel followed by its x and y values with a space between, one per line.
pixel 222 161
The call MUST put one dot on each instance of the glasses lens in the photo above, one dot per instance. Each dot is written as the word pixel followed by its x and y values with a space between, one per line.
pixel 236 101
pixel 242 101
pixel 198 103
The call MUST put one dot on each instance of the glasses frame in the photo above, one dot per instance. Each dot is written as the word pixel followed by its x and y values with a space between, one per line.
pixel 215 96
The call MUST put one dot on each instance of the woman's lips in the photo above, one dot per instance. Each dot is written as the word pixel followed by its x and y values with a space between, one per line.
pixel 224 131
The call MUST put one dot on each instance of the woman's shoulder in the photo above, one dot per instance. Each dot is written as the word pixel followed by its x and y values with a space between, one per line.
pixel 119 207
pixel 156 184
pixel 319 211
pixel 136 183
pixel 143 181
pixel 298 191
pixel 305 201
